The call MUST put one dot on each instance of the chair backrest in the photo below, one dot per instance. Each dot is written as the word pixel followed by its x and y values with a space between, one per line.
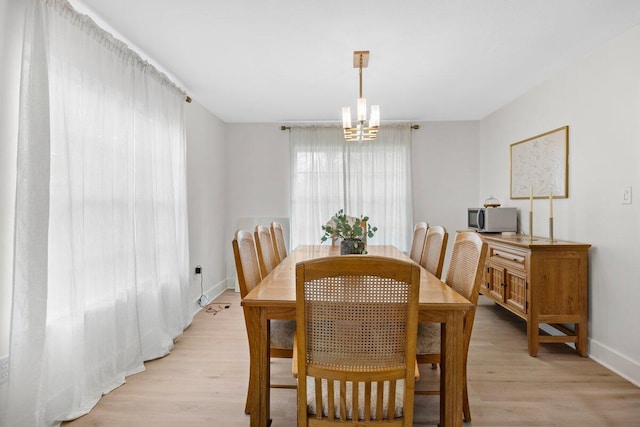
pixel 417 244
pixel 266 255
pixel 246 257
pixel 465 272
pixel 357 325
pixel 435 246
pixel 277 237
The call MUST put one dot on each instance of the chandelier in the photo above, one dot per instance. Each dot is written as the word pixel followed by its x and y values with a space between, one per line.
pixel 360 132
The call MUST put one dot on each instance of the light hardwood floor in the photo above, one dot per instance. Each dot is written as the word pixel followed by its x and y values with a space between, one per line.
pixel 203 382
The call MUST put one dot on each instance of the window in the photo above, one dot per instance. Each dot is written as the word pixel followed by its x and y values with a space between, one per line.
pixel 371 178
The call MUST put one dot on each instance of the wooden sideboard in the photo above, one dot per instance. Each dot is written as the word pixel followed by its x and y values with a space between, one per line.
pixel 543 282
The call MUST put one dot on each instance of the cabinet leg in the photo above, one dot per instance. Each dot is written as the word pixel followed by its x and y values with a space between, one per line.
pixel 581 344
pixel 533 337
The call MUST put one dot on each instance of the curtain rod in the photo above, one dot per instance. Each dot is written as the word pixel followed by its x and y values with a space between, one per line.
pixel 283 127
pixel 77 18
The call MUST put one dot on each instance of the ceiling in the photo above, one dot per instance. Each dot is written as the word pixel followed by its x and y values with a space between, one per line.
pixel 291 60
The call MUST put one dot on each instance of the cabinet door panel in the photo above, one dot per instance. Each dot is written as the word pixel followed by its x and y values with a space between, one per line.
pixel 516 290
pixel 485 285
pixel 496 278
pixel 559 276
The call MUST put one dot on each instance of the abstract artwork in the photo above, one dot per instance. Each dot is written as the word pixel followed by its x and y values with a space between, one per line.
pixel 541 163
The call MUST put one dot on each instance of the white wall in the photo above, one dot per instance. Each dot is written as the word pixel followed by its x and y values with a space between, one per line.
pixel 11 23
pixel 599 98
pixel 207 196
pixel 445 175
pixel 258 177
pixel 258 171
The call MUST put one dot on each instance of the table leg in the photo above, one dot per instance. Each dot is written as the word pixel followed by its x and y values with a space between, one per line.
pixel 451 376
pixel 259 370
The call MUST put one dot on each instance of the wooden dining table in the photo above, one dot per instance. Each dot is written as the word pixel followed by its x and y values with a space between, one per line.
pixel 275 298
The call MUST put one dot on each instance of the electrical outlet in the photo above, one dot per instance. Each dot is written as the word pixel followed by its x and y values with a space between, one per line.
pixel 198 269
pixel 626 195
pixel 4 369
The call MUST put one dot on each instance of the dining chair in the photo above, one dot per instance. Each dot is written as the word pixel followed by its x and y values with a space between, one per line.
pixel 354 355
pixel 464 275
pixel 435 246
pixel 277 238
pixel 417 243
pixel 266 254
pixel 432 258
pixel 249 276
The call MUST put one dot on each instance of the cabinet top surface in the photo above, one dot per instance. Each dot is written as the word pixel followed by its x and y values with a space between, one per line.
pixel 537 242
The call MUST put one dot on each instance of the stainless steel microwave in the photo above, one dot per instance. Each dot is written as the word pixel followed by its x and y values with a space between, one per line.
pixel 492 220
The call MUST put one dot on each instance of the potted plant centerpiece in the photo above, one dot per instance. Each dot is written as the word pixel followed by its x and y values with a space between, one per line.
pixel 352 230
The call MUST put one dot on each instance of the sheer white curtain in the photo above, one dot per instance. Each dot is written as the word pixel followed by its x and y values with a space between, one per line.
pixel 317 180
pixel 370 178
pixel 101 250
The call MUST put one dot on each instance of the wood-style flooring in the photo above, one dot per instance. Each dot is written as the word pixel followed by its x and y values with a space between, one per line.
pixel 203 382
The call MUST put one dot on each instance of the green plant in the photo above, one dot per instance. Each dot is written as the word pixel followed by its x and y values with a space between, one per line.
pixel 347 227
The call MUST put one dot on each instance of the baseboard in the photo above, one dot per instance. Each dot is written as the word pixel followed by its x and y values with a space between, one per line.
pixel 620 364
pixel 607 357
pixel 212 293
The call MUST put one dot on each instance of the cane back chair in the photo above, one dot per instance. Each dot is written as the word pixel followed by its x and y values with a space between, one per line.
pixel 418 240
pixel 464 276
pixel 355 346
pixel 435 246
pixel 277 238
pixel 267 258
pixel 282 331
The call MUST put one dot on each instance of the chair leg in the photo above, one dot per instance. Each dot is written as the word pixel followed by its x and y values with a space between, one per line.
pixel 466 410
pixel 247 405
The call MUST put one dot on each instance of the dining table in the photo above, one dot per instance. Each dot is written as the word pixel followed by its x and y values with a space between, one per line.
pixel 275 298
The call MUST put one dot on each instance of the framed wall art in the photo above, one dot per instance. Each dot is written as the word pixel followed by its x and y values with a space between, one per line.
pixel 541 163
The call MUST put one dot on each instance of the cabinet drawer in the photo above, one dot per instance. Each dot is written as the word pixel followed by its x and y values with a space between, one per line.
pixel 508 256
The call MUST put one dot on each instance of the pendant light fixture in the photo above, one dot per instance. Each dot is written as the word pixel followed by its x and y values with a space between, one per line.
pixel 360 132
